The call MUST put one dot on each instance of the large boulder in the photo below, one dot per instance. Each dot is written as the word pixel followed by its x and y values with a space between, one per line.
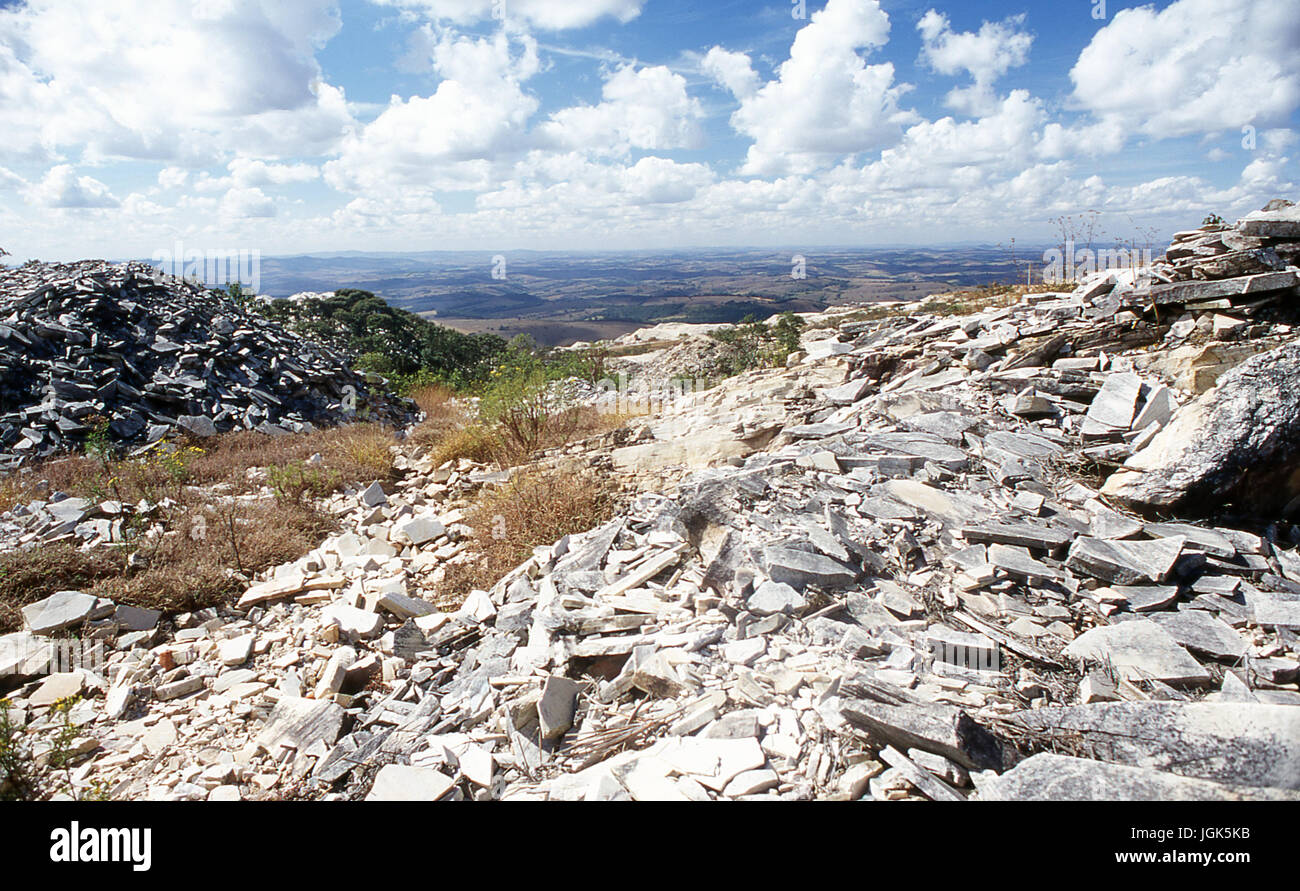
pixel 1238 443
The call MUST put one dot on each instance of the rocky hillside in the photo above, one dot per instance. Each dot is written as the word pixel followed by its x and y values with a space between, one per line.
pixel 140 354
pixel 1040 551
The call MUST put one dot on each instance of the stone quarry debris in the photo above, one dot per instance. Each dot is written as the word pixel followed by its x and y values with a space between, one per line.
pixel 877 572
pixel 151 354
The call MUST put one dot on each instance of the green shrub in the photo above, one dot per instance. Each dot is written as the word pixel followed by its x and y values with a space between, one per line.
pixel 755 344
pixel 25 777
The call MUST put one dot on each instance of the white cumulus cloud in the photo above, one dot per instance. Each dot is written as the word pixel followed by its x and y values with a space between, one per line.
pixel 826 101
pixel 62 187
pixel 640 108
pixel 985 55
pixel 1196 66
pixel 167 80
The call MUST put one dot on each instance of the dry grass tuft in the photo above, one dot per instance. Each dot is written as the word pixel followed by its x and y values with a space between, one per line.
pixel 534 509
pixel 351 454
pixel 29 576
pixel 205 536
pixel 435 399
pixel 473 442
pixel 187 568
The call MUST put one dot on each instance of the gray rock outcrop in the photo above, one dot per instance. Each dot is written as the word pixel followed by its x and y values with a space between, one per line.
pixel 1237 443
pixel 151 354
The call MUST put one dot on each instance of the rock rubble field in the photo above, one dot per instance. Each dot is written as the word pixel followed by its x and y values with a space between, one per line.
pixel 145 355
pixel 1040 551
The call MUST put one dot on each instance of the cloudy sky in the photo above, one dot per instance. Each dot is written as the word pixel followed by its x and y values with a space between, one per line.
pixel 305 125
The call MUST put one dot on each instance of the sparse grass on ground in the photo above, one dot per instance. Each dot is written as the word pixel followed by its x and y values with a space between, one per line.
pixel 351 454
pixel 992 296
pixel 959 303
pixel 513 432
pixel 200 532
pixel 536 508
pixel 188 567
pixel 640 349
pixel 32 575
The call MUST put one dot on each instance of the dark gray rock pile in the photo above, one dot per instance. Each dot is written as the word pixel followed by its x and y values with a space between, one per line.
pixel 151 354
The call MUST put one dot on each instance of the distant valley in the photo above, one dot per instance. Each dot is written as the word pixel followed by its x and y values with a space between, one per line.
pixel 564 297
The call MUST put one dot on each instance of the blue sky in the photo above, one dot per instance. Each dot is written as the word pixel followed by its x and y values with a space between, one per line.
pixel 300 125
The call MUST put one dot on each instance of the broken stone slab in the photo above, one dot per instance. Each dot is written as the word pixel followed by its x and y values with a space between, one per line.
pixel 1018 562
pixel 1138 650
pixel 952 508
pixel 974 651
pixel 643 573
pixel 744 652
pixel 57 687
pixel 557 706
pixel 59 611
pixel 1289 561
pixel 399 782
pixel 1144 598
pixel 752 782
pixel 356 622
pixel 1039 538
pixel 1274 671
pixel 1236 443
pixel 1283 223
pixel 134 618
pixel 1208 540
pixel 849 393
pixel 23 655
pixel 1159 407
pixel 1196 292
pixel 1125 562
pixel 648 670
pixel 236 650
pixel 920 445
pixel 1248 744
pixel 404 607
pixel 1201 633
pixel 418 531
pixel 1116 403
pixel 817 431
pixel 374 495
pixel 179 689
pixel 301 723
pixel 1109 524
pixel 847 637
pixel 275 589
pixel 942 729
pixel 201 426
pixel 1276 613
pixel 771 598
pixel 740 724
pixel 1022 445
pixel 801 569
pixel 1051 777
pixel 898 600
pixel 930 786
